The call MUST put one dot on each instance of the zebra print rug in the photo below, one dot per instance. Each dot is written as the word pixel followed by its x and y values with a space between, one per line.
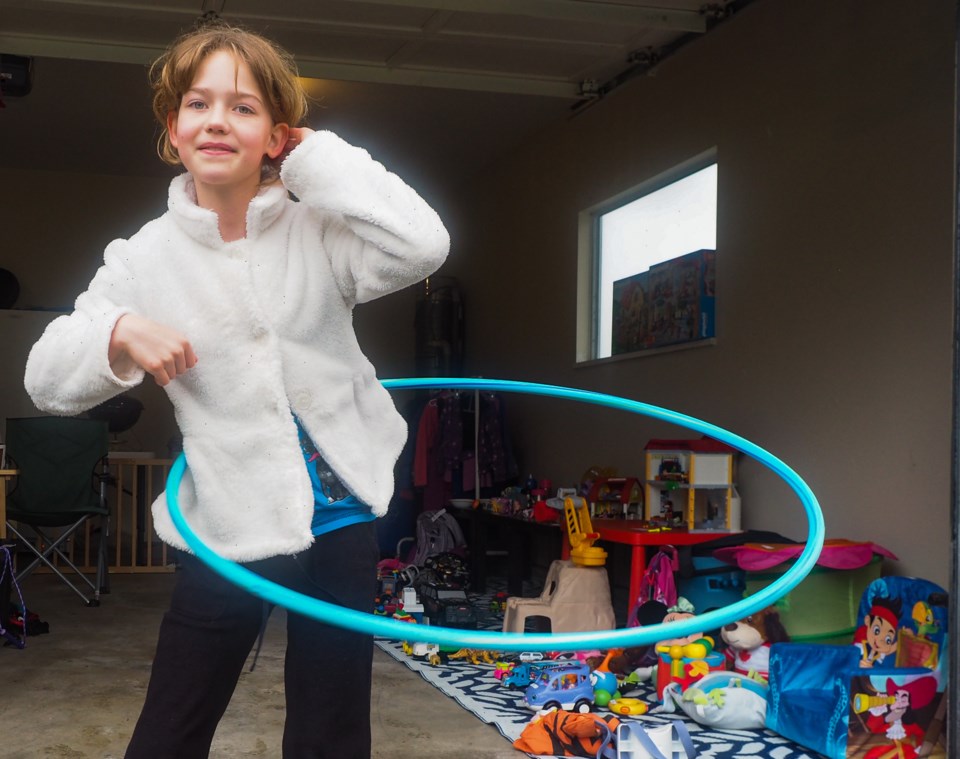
pixel 475 688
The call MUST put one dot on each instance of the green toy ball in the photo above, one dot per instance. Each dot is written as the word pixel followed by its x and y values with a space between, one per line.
pixel 601 697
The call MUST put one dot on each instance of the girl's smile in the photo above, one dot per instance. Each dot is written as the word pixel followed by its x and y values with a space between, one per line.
pixel 216 148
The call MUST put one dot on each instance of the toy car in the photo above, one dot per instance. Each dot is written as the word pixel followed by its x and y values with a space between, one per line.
pixel 531 656
pixel 429 651
pixel 627 706
pixel 564 687
pixel 502 668
pixel 447 607
pixel 525 673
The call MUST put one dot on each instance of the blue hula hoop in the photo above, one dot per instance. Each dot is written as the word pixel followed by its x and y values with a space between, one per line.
pixel 372 624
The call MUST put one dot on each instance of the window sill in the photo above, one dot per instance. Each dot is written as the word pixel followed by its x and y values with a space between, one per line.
pixel 710 341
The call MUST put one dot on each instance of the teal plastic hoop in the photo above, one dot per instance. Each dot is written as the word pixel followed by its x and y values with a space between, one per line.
pixel 372 624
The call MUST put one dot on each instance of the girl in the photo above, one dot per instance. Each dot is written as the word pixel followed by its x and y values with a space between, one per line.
pixel 238 301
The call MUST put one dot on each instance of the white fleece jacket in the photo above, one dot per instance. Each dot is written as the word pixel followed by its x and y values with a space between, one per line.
pixel 270 319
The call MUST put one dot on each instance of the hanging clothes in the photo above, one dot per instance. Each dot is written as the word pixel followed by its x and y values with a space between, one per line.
pixel 445 460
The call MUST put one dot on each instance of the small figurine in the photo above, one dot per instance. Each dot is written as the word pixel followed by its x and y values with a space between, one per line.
pixel 498 604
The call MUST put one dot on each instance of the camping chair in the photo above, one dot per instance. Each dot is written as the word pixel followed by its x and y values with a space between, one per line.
pixel 61 482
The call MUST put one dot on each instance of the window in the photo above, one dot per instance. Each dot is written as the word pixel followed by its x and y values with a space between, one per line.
pixel 650 263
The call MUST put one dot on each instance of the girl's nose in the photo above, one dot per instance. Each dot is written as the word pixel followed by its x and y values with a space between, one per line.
pixel 216 119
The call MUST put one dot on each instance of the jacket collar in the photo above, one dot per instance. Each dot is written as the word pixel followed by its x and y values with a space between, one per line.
pixel 201 223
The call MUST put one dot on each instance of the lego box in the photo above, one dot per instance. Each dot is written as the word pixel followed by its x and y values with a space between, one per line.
pixel 672 302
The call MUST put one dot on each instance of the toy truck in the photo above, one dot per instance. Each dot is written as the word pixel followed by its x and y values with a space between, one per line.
pixel 447 607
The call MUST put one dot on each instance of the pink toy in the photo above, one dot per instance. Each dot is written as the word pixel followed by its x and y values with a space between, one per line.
pixel 836 554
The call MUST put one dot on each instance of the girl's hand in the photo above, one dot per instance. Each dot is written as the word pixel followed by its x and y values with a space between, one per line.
pixel 294 138
pixel 155 348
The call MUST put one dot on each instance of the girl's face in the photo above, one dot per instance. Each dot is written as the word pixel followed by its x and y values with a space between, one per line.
pixel 223 129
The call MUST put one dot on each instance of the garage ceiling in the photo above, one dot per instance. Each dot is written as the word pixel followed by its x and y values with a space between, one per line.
pixel 478 76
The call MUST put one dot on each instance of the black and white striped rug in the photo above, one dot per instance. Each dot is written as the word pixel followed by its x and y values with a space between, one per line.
pixel 476 689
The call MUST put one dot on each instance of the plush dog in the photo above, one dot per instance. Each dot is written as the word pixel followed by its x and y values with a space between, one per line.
pixel 748 641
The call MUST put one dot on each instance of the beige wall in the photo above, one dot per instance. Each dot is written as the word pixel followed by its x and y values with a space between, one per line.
pixel 833 128
pixel 56 225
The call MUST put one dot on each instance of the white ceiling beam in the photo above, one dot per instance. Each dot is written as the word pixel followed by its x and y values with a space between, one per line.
pixel 566 10
pixel 410 47
pixel 479 81
pixel 427 33
pixel 80 49
pixel 583 11
pixel 476 81
pixel 349 28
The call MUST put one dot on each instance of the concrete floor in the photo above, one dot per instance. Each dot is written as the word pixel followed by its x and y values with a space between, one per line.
pixel 76 692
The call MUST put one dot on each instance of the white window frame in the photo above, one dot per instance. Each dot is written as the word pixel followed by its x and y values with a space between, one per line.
pixel 588 347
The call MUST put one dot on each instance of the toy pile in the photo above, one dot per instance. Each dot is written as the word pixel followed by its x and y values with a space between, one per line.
pixel 493 688
pixel 717 680
pixel 435 571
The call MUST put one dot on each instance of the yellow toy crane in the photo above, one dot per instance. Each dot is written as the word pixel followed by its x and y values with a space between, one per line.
pixel 583 552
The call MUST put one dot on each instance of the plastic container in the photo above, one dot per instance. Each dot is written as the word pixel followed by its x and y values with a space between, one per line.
pixel 823 607
pixel 715 584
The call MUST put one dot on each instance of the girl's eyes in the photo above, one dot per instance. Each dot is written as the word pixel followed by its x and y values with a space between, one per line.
pixel 243 109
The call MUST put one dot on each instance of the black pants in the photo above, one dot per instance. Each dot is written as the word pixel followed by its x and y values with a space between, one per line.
pixel 211 627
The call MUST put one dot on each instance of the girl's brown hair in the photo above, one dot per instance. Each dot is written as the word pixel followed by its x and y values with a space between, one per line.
pixel 274 69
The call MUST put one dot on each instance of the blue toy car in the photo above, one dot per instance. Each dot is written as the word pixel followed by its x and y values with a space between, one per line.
pixel 564 687
pixel 525 673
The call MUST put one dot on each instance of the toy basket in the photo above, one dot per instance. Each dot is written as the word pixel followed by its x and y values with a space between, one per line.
pixel 822 608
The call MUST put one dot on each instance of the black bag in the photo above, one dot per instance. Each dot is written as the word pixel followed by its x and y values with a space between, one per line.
pixel 33 625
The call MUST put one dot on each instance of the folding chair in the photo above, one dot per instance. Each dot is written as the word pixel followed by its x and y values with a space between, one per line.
pixel 61 482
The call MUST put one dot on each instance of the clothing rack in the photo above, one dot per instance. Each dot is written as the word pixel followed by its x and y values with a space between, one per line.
pixel 445 438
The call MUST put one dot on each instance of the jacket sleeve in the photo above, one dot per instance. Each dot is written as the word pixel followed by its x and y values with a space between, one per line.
pixel 381 236
pixel 68 369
